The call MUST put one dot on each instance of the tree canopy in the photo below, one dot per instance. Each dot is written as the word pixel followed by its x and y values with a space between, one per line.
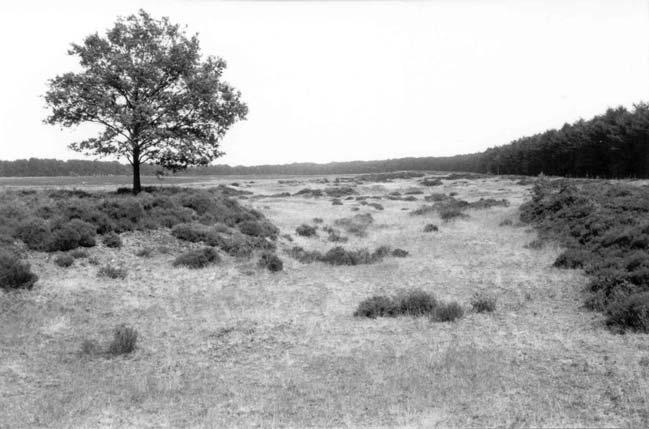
pixel 147 85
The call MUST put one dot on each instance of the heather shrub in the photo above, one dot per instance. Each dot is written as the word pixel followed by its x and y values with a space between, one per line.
pixel 305 230
pixel 14 272
pixel 375 205
pixel 572 258
pixel 339 191
pixel 271 262
pixel 483 303
pixel 317 220
pixel 336 202
pixel 144 252
pixel 448 312
pixel 35 233
pixel 304 256
pixel 447 214
pixel 431 182
pixel 377 306
pixel 124 340
pixel 415 303
pixel 112 272
pixel 631 312
pixel 112 240
pixel 191 232
pixel 87 232
pixel 431 228
pixel 506 222
pixel 64 260
pixel 400 253
pixel 199 258
pixel 258 228
pixel 64 238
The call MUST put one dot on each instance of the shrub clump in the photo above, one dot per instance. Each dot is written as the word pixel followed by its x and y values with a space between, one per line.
pixel 112 272
pixel 14 272
pixel 483 303
pixel 431 227
pixel 124 340
pixel 64 260
pixel 305 230
pixel 112 240
pixel 35 233
pixel 448 312
pixel 377 306
pixel 199 258
pixel 258 228
pixel 400 253
pixel 630 313
pixel 416 303
pixel 64 238
pixel 572 258
pixel 271 262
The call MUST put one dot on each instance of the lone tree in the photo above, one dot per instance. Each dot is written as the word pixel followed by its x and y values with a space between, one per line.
pixel 156 100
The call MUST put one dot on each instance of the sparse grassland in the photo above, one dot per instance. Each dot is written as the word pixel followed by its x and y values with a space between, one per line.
pixel 240 343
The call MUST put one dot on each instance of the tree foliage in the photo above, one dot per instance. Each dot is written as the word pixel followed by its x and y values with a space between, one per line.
pixel 154 96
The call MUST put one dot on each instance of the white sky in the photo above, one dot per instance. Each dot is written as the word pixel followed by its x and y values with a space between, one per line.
pixel 335 81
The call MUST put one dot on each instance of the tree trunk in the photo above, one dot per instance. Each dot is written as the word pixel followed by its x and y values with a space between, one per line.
pixel 137 187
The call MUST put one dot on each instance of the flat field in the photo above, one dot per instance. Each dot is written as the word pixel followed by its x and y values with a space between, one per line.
pixel 234 345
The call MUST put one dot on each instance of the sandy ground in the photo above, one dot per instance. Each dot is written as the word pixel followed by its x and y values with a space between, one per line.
pixel 234 345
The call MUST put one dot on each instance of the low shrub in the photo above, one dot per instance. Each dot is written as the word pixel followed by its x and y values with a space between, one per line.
pixel 400 253
pixel 64 238
pixel 506 222
pixel 64 260
pixel 199 258
pixel 35 233
pixel 112 272
pixel 572 258
pixel 258 228
pixel 377 306
pixel 630 313
pixel 14 272
pixel 448 312
pixel 431 228
pixel 431 182
pixel 124 340
pixel 87 232
pixel 305 230
pixel 483 303
pixel 304 256
pixel 415 303
pixel 448 214
pixel 271 262
pixel 317 220
pixel 339 191
pixel 112 240
pixel 336 202
pixel 376 206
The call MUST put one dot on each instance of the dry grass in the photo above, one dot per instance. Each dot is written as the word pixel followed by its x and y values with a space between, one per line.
pixel 232 345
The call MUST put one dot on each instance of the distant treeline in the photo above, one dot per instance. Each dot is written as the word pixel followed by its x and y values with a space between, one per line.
pixel 612 145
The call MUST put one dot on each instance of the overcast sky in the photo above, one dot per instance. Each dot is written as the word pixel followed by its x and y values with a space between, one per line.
pixel 335 81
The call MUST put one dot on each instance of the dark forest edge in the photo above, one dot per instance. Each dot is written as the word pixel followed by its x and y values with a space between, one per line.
pixel 612 145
